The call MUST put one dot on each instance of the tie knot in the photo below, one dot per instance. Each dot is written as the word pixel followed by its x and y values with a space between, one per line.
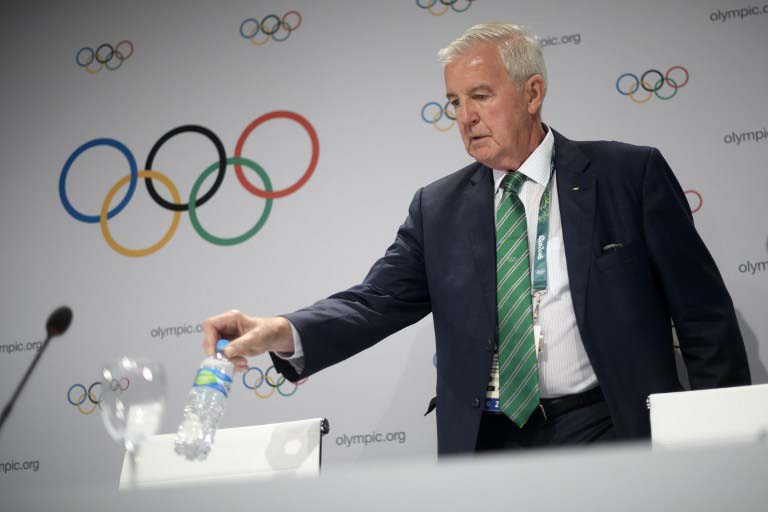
pixel 513 182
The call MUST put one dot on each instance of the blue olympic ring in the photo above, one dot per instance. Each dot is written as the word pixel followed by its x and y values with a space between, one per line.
pixel 631 75
pixel 246 20
pixel 442 109
pixel 93 219
pixel 86 395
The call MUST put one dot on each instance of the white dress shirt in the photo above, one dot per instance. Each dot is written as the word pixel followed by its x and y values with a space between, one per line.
pixel 564 368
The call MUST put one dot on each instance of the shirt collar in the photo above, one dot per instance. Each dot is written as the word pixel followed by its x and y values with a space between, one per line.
pixel 536 167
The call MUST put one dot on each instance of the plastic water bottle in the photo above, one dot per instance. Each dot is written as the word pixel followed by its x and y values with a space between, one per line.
pixel 205 405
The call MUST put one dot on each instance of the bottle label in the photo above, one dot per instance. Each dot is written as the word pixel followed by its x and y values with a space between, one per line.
pixel 213 378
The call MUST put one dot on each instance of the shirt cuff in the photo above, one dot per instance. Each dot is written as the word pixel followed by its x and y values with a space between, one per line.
pixel 297 358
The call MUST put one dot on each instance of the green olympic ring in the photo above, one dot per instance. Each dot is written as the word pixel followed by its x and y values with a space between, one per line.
pixel 248 234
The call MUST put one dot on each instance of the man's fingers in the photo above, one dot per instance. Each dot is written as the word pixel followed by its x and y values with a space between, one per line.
pixel 250 344
pixel 225 325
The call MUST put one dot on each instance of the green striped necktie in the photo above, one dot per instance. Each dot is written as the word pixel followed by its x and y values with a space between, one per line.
pixel 518 370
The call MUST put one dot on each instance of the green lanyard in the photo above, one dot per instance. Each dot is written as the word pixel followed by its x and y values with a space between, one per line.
pixel 542 235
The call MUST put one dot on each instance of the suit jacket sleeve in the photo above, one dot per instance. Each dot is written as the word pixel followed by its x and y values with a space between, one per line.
pixel 701 308
pixel 392 296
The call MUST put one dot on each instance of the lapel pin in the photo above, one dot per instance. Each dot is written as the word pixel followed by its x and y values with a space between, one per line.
pixel 575 189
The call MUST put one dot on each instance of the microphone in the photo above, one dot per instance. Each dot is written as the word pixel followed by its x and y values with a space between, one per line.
pixel 57 324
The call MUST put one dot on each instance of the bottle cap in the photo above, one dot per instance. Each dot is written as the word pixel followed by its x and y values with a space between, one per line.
pixel 220 345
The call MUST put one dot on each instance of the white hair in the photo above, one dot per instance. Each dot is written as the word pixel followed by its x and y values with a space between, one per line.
pixel 520 50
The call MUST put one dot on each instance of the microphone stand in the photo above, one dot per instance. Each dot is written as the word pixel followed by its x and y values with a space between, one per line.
pixel 58 322
pixel 12 401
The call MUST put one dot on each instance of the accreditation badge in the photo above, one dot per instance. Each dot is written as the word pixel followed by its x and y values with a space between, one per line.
pixel 492 390
pixel 538 339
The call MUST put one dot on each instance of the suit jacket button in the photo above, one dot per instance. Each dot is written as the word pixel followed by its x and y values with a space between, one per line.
pixel 476 403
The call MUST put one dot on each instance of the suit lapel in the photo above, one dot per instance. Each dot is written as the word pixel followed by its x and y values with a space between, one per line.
pixel 576 190
pixel 480 221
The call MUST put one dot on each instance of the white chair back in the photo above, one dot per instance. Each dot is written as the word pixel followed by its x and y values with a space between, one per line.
pixel 709 417
pixel 291 449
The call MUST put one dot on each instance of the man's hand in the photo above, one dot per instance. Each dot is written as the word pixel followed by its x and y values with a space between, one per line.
pixel 249 336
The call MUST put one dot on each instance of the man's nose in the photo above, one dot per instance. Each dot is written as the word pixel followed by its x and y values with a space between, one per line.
pixel 465 114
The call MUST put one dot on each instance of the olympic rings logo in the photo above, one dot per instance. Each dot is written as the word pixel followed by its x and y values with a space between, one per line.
pixel 432 112
pixel 427 5
pixel 176 206
pixel 655 87
pixel 272 382
pixel 694 200
pixel 105 56
pixel 271 27
pixel 90 394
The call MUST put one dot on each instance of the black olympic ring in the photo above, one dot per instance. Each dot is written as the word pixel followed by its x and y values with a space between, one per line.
pixel 276 27
pixel 656 85
pixel 219 177
pixel 103 60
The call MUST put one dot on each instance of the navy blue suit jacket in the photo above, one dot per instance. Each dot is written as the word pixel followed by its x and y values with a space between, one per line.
pixel 443 261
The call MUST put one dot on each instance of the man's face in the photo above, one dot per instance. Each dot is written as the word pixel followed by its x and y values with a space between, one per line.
pixel 491 110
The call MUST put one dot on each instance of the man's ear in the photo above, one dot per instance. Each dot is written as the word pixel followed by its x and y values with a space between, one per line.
pixel 535 89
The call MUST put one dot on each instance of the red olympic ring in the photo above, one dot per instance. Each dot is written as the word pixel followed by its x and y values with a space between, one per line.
pixel 120 384
pixel 701 200
pixel 127 42
pixel 283 20
pixel 307 174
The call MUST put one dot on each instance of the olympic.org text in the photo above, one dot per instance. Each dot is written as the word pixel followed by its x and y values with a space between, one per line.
pixel 372 438
pixel 753 136
pixel 753 267
pixel 732 14
pixel 176 330
pixel 20 347
pixel 7 467
pixel 558 40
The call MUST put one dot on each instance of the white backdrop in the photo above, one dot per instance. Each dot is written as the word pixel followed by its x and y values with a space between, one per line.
pixel 360 73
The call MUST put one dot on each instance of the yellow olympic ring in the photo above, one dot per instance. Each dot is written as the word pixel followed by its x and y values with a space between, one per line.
pixel 256 386
pixel 264 397
pixel 437 116
pixel 94 71
pixel 80 401
pixel 433 13
pixel 137 253
pixel 647 87
pixel 86 413
pixel 260 43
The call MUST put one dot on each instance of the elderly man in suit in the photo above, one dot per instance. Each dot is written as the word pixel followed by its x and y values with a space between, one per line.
pixel 554 271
